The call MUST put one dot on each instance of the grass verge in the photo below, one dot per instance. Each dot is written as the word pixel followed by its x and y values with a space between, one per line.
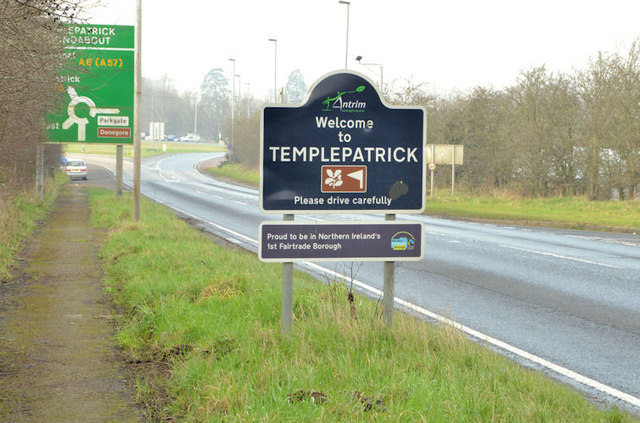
pixel 212 315
pixel 567 212
pixel 237 173
pixel 19 216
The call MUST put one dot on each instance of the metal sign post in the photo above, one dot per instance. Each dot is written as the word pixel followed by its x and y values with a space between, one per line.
pixel 388 286
pixel 286 306
pixel 343 150
pixel 137 142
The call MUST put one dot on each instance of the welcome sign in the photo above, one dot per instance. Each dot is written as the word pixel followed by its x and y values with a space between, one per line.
pixel 343 150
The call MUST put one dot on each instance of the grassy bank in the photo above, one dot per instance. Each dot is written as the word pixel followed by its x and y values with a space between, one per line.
pixel 568 212
pixel 236 172
pixel 19 216
pixel 212 315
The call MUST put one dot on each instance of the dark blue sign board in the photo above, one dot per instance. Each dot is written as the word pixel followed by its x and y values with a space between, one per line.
pixel 343 150
pixel 340 241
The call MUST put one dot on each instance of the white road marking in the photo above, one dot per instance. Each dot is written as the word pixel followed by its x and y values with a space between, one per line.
pixel 609 240
pixel 312 218
pixel 543 253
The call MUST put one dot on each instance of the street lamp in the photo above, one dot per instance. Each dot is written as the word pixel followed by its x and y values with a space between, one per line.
pixel 275 67
pixel 346 51
pixel 359 58
pixel 248 84
pixel 195 114
pixel 233 93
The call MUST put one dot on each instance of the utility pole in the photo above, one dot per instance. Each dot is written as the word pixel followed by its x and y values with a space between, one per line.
pixel 233 94
pixel 346 50
pixel 136 113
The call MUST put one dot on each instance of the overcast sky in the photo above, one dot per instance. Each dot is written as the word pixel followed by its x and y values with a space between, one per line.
pixel 448 45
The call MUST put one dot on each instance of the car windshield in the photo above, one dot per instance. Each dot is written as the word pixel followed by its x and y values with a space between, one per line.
pixel 75 163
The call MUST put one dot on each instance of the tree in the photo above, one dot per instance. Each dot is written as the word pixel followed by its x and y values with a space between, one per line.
pixel 31 51
pixel 596 91
pixel 625 156
pixel 407 92
pixel 296 89
pixel 215 105
pixel 489 152
pixel 246 147
pixel 161 102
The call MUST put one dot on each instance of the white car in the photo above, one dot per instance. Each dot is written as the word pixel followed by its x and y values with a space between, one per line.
pixel 190 138
pixel 76 168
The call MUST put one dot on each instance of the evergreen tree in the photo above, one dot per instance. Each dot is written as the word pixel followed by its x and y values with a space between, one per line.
pixel 214 107
pixel 296 89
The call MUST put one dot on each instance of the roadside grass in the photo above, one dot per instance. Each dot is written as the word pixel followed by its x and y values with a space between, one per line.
pixel 236 173
pixel 19 216
pixel 147 148
pixel 213 315
pixel 567 212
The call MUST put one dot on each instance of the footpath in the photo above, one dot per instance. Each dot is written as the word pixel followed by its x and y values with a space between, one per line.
pixel 58 362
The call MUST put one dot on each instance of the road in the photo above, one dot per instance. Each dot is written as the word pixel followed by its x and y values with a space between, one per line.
pixel 564 302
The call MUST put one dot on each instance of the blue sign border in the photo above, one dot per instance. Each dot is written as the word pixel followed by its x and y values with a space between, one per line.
pixel 343 121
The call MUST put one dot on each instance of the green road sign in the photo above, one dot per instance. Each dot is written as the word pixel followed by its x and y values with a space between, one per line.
pixel 100 36
pixel 96 86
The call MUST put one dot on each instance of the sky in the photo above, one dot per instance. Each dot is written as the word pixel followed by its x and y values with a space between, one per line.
pixel 447 45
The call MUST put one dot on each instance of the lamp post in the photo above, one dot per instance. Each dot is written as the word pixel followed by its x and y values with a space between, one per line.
pixel 239 94
pixel 275 67
pixel 233 94
pixel 195 114
pixel 346 51
pixel 359 58
pixel 137 142
pixel 248 84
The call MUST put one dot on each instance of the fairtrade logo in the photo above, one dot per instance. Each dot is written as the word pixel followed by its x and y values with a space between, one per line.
pixel 403 241
pixel 343 105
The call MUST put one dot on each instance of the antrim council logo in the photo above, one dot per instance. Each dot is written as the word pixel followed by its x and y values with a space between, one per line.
pixel 342 104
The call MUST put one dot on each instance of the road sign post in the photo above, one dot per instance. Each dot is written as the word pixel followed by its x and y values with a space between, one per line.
pixel 344 150
pixel 286 305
